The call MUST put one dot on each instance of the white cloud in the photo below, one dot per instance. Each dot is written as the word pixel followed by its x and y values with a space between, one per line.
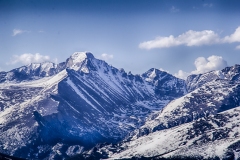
pixel 237 47
pixel 208 64
pixel 105 56
pixel 28 58
pixel 181 74
pixel 191 38
pixel 19 31
pixel 204 65
pixel 174 9
pixel 235 37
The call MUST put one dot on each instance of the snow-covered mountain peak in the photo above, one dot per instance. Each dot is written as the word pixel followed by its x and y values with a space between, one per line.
pixel 152 74
pixel 32 71
pixel 43 65
pixel 80 56
pixel 33 65
pixel 80 61
pixel 229 74
pixel 220 74
pixel 232 73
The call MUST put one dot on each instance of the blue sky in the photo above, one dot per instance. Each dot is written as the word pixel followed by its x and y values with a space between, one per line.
pixel 193 36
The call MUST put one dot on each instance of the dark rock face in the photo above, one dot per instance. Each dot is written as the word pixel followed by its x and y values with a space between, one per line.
pixel 209 94
pixel 165 84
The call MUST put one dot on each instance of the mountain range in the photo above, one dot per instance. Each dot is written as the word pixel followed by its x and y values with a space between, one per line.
pixel 86 108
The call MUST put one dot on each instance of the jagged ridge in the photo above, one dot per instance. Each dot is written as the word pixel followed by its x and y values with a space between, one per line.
pixel 77 104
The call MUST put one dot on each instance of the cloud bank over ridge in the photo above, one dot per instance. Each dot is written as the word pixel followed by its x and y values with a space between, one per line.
pixel 204 65
pixel 28 58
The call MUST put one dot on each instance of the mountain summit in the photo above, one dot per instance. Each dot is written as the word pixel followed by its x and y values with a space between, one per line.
pixel 80 61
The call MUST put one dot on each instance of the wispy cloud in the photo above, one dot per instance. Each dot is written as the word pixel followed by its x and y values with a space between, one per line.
pixel 194 7
pixel 174 9
pixel 41 31
pixel 19 31
pixel 209 5
pixel 28 58
pixel 105 56
pixel 191 38
pixel 237 47
pixel 204 65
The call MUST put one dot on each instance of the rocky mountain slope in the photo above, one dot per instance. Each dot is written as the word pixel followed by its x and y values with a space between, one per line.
pixel 31 72
pixel 58 110
pixel 207 115
pixel 213 92
pixel 229 73
pixel 212 137
pixel 85 108
pixel 210 99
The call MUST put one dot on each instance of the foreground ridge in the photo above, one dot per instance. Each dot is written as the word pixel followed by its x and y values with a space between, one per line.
pixel 213 137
